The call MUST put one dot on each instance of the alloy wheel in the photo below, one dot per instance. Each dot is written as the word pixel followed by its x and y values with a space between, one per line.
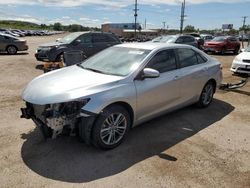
pixel 207 94
pixel 113 128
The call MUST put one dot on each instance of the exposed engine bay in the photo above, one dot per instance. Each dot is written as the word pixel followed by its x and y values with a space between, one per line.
pixel 54 119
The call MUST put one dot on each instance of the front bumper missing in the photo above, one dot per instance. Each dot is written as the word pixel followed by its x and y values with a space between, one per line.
pixel 83 124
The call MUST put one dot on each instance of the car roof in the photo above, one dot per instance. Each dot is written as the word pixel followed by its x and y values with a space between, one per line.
pixel 7 35
pixel 151 45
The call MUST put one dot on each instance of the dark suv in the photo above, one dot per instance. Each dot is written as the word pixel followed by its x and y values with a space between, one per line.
pixel 88 42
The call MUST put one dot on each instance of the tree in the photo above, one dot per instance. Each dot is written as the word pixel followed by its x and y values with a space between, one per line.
pixel 189 28
pixel 57 26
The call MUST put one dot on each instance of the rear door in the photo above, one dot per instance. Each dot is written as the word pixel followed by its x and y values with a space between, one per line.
pixel 2 43
pixel 190 41
pixel 155 95
pixel 193 73
pixel 100 42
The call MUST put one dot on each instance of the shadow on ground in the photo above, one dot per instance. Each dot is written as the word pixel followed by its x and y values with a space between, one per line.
pixel 66 159
pixel 18 53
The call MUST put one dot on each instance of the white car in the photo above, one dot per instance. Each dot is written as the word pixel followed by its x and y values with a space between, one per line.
pixel 241 63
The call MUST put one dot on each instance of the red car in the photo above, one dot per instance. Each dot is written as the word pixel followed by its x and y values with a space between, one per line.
pixel 222 45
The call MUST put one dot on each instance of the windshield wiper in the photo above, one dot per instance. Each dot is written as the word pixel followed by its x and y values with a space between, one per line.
pixel 80 65
pixel 94 70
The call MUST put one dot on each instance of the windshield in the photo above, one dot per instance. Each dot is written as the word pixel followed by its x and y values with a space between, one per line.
pixel 247 49
pixel 69 38
pixel 167 39
pixel 119 61
pixel 219 39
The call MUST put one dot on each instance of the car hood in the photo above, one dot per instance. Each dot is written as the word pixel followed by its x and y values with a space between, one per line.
pixel 67 84
pixel 52 44
pixel 244 55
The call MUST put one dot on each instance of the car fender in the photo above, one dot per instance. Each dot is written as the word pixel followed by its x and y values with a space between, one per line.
pixel 122 93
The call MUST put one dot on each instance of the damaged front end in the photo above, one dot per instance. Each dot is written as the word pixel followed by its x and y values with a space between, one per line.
pixel 55 119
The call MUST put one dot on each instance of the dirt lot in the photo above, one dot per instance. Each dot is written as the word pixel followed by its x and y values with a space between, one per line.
pixel 188 148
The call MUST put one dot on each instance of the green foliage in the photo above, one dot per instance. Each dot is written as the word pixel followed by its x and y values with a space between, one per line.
pixel 189 29
pixel 10 24
pixel 57 27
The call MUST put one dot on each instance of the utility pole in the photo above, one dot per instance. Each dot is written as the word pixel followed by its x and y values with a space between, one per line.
pixel 243 27
pixel 136 9
pixel 244 22
pixel 145 24
pixel 183 6
pixel 164 26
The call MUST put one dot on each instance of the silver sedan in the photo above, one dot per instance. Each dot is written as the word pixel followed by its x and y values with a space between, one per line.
pixel 103 97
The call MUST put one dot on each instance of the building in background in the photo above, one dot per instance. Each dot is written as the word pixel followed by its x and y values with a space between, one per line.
pixel 126 29
pixel 117 28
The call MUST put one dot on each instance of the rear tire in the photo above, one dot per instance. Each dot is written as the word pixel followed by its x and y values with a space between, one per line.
pixel 111 127
pixel 12 50
pixel 207 94
pixel 223 51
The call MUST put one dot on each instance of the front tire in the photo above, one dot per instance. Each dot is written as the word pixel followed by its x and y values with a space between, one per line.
pixel 207 94
pixel 111 127
pixel 12 50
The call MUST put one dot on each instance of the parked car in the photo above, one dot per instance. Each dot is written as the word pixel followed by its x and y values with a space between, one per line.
pixel 199 39
pixel 207 37
pixel 222 45
pixel 119 88
pixel 178 39
pixel 88 42
pixel 243 37
pixel 11 44
pixel 241 63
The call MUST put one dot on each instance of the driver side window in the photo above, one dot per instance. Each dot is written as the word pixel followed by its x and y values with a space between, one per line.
pixel 85 38
pixel 163 61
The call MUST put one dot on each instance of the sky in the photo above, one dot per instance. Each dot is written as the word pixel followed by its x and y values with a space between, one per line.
pixel 203 14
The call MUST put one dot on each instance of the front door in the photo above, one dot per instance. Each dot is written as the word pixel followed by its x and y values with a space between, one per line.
pixel 155 95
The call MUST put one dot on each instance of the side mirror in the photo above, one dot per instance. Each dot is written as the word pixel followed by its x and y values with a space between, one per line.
pixel 76 42
pixel 58 39
pixel 150 73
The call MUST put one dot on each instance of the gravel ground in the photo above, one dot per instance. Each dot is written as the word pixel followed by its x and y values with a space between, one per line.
pixel 188 148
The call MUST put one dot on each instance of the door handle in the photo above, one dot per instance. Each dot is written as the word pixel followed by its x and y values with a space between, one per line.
pixel 205 69
pixel 176 77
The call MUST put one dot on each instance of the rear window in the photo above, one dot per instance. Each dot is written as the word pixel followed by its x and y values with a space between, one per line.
pixel 99 38
pixel 189 57
pixel 189 39
pixel 111 38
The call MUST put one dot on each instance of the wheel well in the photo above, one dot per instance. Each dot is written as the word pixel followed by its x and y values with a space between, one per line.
pixel 58 56
pixel 127 107
pixel 213 81
pixel 11 45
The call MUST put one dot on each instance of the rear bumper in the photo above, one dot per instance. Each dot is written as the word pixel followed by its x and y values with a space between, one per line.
pixel 23 48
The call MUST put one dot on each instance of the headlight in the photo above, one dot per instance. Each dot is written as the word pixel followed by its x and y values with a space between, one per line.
pixel 237 58
pixel 66 108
